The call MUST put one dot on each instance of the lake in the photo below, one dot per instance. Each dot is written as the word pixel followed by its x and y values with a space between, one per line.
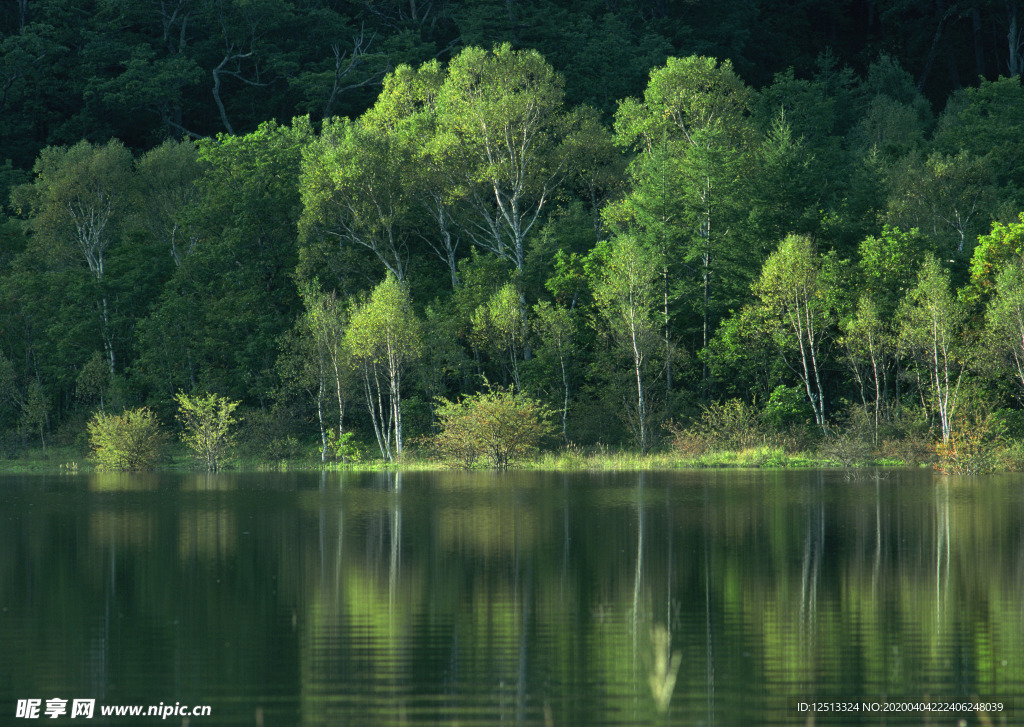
pixel 717 597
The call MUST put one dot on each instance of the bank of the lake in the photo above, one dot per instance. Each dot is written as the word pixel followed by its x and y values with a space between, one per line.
pixel 69 460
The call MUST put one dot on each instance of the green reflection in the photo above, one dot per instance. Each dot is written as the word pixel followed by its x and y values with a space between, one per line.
pixel 714 598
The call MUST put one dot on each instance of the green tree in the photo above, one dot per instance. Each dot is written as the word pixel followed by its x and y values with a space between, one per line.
pixel 794 289
pixel 870 346
pixel 887 265
pixel 325 321
pixel 499 326
pixel 885 271
pixel 77 202
pixel 693 140
pixel 215 324
pixel 36 411
pixel 406 113
pixel 502 123
pixel 946 195
pixel 625 284
pixel 1004 243
pixel 932 333
pixel 556 326
pixel 354 190
pixel 498 425
pixel 1005 318
pixel 168 184
pixel 986 122
pixel 384 338
pixel 206 421
pixel 132 440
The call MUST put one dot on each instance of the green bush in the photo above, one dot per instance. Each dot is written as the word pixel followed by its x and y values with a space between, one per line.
pixel 732 425
pixel 787 406
pixel 132 440
pixel 495 426
pixel 207 421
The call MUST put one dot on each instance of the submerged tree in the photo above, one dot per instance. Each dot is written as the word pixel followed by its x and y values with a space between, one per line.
pixel 499 425
pixel 206 420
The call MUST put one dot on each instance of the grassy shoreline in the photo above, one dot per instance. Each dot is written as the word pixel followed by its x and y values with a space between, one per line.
pixel 596 459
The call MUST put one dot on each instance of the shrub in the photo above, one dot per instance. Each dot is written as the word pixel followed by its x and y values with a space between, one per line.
pixel 343 447
pixel 852 444
pixel 971 449
pixel 846 449
pixel 207 420
pixel 132 440
pixel 497 426
pixel 732 425
pixel 787 406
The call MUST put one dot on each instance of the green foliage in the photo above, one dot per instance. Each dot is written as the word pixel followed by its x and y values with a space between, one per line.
pixel 246 263
pixel 972 448
pixel 786 407
pixel 731 425
pixel 500 327
pixel 356 188
pixel 888 263
pixel 987 121
pixel 206 421
pixel 497 426
pixel 215 324
pixel 624 281
pixel 798 293
pixel 994 250
pixel 931 333
pixel 385 338
pixel 1005 320
pixel 132 440
pixel 343 447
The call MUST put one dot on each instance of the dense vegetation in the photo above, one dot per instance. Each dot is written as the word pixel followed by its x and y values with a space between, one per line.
pixel 344 215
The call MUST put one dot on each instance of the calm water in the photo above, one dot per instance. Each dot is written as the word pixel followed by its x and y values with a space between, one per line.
pixel 527 599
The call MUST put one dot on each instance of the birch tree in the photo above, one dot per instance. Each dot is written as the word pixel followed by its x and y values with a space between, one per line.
pixel 694 149
pixel 77 201
pixel 325 322
pixel 384 338
pixel 1005 319
pixel 931 334
pixel 794 289
pixel 353 185
pixel 501 123
pixel 626 291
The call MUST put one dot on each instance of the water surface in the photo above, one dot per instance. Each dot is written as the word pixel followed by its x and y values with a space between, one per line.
pixel 526 598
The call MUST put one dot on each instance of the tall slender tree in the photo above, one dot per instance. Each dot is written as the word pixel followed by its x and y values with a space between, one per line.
pixel 77 202
pixel 694 144
pixel 625 285
pixel 385 338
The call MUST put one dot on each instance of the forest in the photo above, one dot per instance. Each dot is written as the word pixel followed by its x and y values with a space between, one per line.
pixel 687 225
